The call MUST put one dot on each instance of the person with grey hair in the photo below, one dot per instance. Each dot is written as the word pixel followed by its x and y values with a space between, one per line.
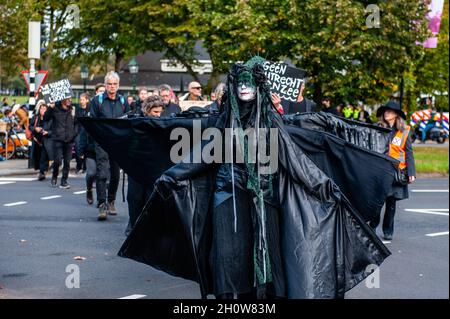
pixel 166 92
pixel 216 96
pixel 110 104
pixel 138 194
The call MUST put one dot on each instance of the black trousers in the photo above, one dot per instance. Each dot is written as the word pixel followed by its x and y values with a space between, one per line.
pixel 91 172
pixel 81 162
pixel 62 151
pixel 106 167
pixel 43 160
pixel 388 220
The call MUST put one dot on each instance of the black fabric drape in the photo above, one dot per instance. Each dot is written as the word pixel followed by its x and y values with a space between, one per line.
pixel 325 199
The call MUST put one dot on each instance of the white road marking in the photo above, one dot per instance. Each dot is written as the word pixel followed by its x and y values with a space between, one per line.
pixel 386 241
pixel 14 204
pixel 79 192
pixel 17 179
pixel 6 183
pixel 133 297
pixel 51 197
pixel 438 234
pixel 432 211
pixel 429 190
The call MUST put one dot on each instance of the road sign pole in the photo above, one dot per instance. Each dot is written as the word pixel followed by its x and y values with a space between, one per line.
pixel 34 52
pixel 32 101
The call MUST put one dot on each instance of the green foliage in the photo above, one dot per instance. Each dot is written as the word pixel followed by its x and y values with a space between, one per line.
pixel 343 56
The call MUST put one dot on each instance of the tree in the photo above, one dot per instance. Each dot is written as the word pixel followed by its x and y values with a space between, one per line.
pixel 431 70
pixel 13 38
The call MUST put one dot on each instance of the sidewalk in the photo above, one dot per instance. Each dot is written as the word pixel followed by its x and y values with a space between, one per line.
pixel 20 167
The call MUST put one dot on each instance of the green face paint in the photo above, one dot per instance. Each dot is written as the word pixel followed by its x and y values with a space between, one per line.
pixel 247 78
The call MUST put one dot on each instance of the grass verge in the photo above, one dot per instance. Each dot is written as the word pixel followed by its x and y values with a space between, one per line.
pixel 431 160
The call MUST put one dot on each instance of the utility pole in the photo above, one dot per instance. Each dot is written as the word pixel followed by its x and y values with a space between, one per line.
pixel 34 52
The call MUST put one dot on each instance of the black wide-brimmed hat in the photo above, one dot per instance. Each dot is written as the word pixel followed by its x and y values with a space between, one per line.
pixel 391 105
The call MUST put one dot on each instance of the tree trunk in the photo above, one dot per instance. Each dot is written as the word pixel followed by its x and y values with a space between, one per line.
pixel 317 93
pixel 118 60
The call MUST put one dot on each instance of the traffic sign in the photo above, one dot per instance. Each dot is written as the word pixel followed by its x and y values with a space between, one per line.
pixel 39 80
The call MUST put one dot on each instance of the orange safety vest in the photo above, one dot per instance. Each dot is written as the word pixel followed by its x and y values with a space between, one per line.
pixel 397 147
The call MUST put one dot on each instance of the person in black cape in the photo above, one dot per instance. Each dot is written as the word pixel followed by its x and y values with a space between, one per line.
pixel 242 231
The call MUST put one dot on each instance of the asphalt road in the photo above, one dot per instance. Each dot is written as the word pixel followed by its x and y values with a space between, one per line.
pixel 39 240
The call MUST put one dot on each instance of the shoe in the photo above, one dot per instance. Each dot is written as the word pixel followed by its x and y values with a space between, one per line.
pixel 64 185
pixel 111 208
pixel 54 182
pixel 102 211
pixel 89 197
pixel 41 176
pixel 387 237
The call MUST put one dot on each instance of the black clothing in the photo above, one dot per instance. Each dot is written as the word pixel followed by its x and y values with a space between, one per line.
pixel 80 112
pixel 213 107
pixel 306 105
pixel 332 110
pixel 137 196
pixel 62 151
pixel 105 167
pixel 65 126
pixel 295 229
pixel 170 109
pixel 86 145
pixel 178 223
pixel 401 191
pixel 398 192
pixel 109 108
pixel 136 108
pixel 388 220
pixel 391 105
pixel 40 152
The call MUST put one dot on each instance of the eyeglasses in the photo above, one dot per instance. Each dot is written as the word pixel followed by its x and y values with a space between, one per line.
pixel 197 88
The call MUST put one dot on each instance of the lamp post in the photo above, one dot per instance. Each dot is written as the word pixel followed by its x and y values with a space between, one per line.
pixel 134 69
pixel 84 75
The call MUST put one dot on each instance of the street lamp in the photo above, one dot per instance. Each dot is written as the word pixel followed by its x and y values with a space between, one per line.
pixel 84 75
pixel 134 69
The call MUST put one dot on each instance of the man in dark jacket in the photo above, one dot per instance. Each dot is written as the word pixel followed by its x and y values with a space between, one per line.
pixel 136 107
pixel 107 105
pixel 328 107
pixel 165 92
pixel 64 131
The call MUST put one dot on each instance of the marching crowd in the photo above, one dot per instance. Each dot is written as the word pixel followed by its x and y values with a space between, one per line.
pixel 58 137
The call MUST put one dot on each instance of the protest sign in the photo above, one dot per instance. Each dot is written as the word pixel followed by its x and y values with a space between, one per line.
pixel 57 91
pixel 283 79
pixel 184 105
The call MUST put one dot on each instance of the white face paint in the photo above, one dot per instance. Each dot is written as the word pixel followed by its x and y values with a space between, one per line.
pixel 246 91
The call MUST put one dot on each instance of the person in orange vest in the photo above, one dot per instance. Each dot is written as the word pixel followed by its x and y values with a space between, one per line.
pixel 400 147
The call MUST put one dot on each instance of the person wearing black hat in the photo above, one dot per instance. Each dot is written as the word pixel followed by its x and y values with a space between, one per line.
pixel 400 148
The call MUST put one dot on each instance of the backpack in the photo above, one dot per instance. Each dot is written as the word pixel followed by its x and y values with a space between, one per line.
pixel 100 100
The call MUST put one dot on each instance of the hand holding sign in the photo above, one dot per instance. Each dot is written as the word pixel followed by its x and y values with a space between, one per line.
pixel 284 80
pixel 57 91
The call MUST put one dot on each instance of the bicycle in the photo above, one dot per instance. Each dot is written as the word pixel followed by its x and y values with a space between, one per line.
pixel 12 142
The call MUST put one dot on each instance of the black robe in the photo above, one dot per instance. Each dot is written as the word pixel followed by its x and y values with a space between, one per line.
pixel 325 243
